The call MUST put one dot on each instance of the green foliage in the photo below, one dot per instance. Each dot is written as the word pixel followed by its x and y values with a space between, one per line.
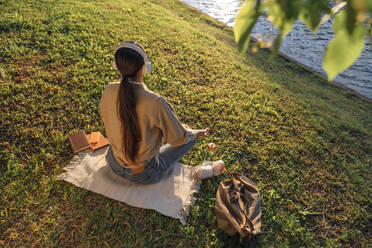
pixel 341 52
pixel 345 47
pixel 311 13
pixel 244 23
pixel 283 14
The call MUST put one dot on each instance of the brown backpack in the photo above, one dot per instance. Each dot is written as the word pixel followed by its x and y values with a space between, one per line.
pixel 238 206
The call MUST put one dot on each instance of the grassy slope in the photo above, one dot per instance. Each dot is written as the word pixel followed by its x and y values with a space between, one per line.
pixel 306 143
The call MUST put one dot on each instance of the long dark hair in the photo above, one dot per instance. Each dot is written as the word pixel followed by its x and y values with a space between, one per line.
pixel 129 63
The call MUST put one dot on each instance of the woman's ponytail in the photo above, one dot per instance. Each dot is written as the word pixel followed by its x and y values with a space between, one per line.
pixel 128 115
pixel 129 64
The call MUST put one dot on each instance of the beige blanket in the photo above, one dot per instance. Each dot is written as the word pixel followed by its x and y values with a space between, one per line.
pixel 171 197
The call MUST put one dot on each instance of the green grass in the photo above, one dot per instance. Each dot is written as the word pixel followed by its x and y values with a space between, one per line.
pixel 306 143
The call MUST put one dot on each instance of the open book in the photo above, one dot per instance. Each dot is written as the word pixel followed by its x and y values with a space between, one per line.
pixel 81 141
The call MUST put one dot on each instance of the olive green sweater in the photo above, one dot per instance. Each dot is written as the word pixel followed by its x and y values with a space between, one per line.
pixel 157 120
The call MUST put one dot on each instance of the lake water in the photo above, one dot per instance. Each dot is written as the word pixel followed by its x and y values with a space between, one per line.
pixel 299 44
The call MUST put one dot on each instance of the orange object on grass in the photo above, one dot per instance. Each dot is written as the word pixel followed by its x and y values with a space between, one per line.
pixel 96 141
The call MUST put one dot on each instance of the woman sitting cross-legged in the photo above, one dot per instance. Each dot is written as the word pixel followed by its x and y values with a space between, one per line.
pixel 138 122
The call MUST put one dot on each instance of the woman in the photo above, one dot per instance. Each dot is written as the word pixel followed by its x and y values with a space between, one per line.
pixel 138 122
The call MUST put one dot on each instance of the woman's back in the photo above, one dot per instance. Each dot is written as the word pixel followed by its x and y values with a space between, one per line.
pixel 156 118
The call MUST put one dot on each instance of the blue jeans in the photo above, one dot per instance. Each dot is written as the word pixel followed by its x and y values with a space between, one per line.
pixel 157 169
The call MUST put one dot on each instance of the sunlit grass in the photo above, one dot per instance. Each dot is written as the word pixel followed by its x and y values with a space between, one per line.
pixel 306 143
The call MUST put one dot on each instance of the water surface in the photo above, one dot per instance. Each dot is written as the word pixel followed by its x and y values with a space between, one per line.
pixel 300 44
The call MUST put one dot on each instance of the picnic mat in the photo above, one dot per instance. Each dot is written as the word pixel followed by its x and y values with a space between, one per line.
pixel 171 197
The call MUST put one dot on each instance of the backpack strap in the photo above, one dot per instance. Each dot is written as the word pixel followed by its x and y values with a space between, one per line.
pixel 247 223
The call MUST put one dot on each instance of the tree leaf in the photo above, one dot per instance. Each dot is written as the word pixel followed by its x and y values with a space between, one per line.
pixel 339 22
pixel 311 12
pixel 344 48
pixel 351 18
pixel 282 14
pixel 311 19
pixel 244 22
